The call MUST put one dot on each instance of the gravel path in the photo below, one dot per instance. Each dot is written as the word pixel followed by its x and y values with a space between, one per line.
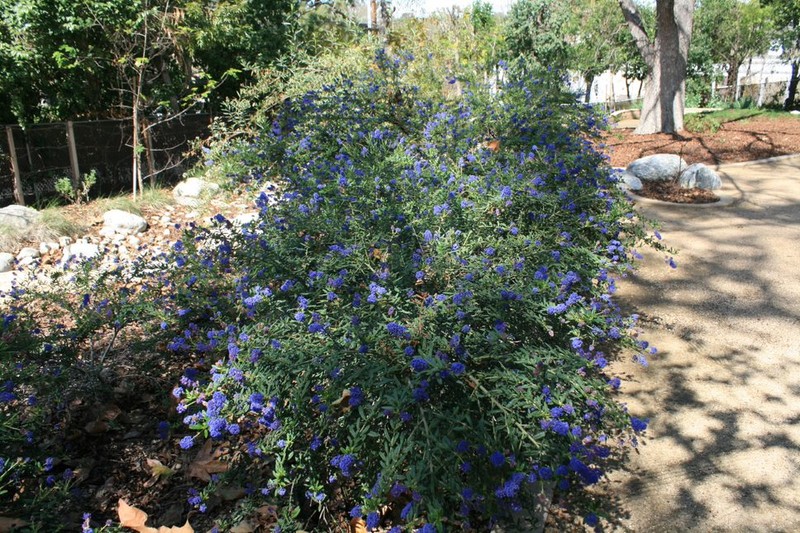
pixel 723 393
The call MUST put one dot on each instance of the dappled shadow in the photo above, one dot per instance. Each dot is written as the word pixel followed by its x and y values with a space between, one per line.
pixel 722 393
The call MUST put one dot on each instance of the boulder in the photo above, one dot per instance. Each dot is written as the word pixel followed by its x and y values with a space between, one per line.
pixel 189 191
pixel 658 167
pixel 6 262
pixel 701 177
pixel 18 216
pixel 27 252
pixel 121 221
pixel 628 180
pixel 80 250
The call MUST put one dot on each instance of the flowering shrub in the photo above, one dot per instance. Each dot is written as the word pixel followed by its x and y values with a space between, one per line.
pixel 413 331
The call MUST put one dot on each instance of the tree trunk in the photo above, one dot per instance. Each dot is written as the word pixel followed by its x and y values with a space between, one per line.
pixel 588 81
pixel 732 80
pixel 662 109
pixel 792 89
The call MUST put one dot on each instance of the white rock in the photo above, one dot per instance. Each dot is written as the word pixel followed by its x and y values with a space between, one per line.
pixel 628 181
pixel 6 281
pixel 82 250
pixel 189 192
pixel 47 247
pixel 244 218
pixel 53 246
pixel 18 216
pixel 64 241
pixel 27 252
pixel 27 261
pixel 658 167
pixel 701 177
pixel 134 241
pixel 123 222
pixel 6 261
pixel 107 232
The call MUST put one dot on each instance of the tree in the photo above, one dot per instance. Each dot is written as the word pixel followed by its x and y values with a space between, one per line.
pixel 727 33
pixel 535 30
pixel 786 17
pixel 666 58
pixel 594 30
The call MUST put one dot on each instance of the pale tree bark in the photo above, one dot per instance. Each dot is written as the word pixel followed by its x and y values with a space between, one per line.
pixel 666 59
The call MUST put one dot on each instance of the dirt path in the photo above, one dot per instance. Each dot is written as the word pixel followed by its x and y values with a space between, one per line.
pixel 723 393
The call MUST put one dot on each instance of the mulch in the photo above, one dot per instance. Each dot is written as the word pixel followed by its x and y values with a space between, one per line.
pixel 669 191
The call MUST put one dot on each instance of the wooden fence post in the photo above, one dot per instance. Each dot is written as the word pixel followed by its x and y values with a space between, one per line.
pixel 19 195
pixel 73 158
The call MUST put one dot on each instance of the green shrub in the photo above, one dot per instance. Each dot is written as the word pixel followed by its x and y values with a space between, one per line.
pixel 415 331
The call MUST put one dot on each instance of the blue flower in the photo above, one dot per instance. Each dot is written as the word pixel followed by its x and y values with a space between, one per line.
pixel 497 459
pixel 397 330
pixel 639 424
pixel 163 430
pixel 373 520
pixel 216 427
pixel 356 397
pixel 419 364
pixel 347 463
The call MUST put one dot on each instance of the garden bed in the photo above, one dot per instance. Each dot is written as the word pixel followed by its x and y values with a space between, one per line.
pixel 751 137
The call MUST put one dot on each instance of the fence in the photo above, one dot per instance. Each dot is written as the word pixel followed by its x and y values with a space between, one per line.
pixel 33 158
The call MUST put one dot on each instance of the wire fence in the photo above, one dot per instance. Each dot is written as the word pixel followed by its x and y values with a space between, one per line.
pixel 32 159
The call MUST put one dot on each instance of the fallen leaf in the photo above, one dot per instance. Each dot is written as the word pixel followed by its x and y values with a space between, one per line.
pixel 7 524
pixel 135 519
pixel 96 427
pixel 158 469
pixel 494 146
pixel 131 517
pixel 205 464
pixel 231 493
pixel 357 525
pixel 109 412
pixel 242 527
pixel 267 516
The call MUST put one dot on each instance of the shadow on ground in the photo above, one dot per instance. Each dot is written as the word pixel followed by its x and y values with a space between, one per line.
pixel 723 393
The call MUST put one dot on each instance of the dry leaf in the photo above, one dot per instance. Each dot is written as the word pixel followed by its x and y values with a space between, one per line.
pixel 109 412
pixel 267 515
pixel 242 527
pixel 494 146
pixel 96 427
pixel 158 469
pixel 7 524
pixel 205 464
pixel 135 519
pixel 231 493
pixel 357 525
pixel 132 517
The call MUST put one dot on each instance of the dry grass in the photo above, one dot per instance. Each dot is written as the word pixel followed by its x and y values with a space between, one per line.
pixel 75 220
